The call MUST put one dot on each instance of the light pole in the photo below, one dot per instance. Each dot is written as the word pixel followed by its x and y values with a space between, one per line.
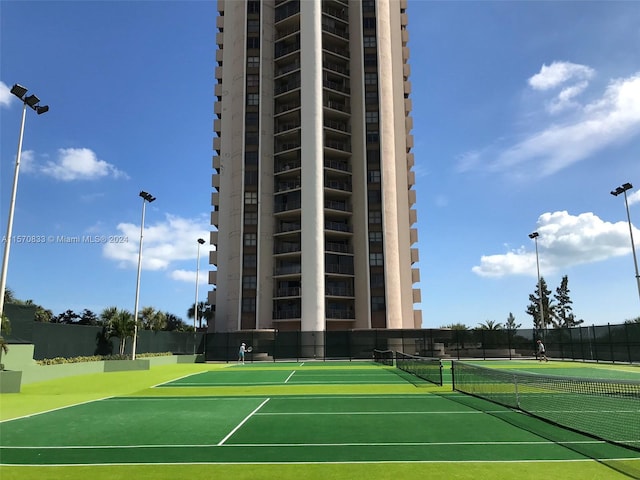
pixel 195 305
pixel 33 102
pixel 146 197
pixel 623 189
pixel 535 236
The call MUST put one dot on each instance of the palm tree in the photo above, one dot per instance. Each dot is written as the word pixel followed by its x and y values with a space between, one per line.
pixel 153 319
pixel 6 329
pixel 490 325
pixel 119 324
pixel 204 311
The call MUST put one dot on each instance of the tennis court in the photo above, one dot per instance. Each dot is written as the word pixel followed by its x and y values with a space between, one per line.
pixel 297 413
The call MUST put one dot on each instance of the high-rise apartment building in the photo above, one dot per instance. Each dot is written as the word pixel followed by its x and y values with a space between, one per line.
pixel 313 183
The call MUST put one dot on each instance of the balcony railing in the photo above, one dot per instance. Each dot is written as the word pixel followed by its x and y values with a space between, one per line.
pixel 287 313
pixel 287 248
pixel 282 186
pixel 289 227
pixel 288 165
pixel 338 247
pixel 338 185
pixel 338 226
pixel 288 292
pixel 335 205
pixel 285 207
pixel 340 106
pixel 337 165
pixel 287 269
pixel 285 107
pixel 338 291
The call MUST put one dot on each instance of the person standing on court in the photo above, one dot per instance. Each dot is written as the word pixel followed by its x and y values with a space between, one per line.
pixel 243 349
pixel 542 352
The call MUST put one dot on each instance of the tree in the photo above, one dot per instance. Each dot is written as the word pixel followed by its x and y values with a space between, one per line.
pixel 175 324
pixel 511 323
pixel 43 315
pixel 9 296
pixel 490 325
pixel 66 317
pixel 119 324
pixel 632 320
pixel 5 326
pixel 205 311
pixel 153 319
pixel 88 318
pixel 533 308
pixel 563 312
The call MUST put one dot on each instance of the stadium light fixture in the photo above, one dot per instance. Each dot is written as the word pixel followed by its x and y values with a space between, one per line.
pixel 534 236
pixel 623 190
pixel 146 197
pixel 31 101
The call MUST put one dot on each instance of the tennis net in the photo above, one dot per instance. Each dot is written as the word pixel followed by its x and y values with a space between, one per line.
pixel 384 357
pixel 605 409
pixel 426 368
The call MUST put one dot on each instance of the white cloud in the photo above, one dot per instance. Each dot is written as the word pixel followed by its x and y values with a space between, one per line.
pixel 565 240
pixel 79 164
pixel 5 95
pixel 189 276
pixel 164 243
pixel 634 197
pixel 615 117
pixel 559 73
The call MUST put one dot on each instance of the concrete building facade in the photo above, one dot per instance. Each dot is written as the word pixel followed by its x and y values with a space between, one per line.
pixel 313 189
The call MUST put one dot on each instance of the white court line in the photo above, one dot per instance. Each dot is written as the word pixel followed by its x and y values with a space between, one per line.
pixel 242 422
pixel 292 373
pixel 322 462
pixel 268 445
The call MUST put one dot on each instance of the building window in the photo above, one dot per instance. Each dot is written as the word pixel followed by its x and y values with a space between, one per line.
pixel 374 197
pixel 249 282
pixel 253 26
pixel 377 280
pixel 371 98
pixel 250 177
pixel 377 304
pixel 375 237
pixel 251 198
pixel 253 6
pixel 373 176
pixel 375 216
pixel 370 78
pixel 253 62
pixel 248 304
pixel 251 138
pixel 376 259
pixel 253 80
pixel 250 239
pixel 253 43
pixel 369 41
pixel 250 260
pixel 371 117
pixel 253 99
pixel 250 218
pixel 370 60
pixel 369 23
pixel 373 137
pixel 251 158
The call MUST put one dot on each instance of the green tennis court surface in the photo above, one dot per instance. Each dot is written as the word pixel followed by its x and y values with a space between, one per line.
pixel 343 412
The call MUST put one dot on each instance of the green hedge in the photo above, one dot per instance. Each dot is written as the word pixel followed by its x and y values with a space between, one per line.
pixel 97 358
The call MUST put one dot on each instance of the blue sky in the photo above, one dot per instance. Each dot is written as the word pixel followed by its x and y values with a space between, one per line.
pixel 526 116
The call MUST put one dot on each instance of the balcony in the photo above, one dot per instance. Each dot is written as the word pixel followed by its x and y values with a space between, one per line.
pixel 338 227
pixel 288 292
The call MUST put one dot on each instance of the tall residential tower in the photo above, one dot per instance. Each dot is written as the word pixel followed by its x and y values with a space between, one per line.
pixel 313 199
